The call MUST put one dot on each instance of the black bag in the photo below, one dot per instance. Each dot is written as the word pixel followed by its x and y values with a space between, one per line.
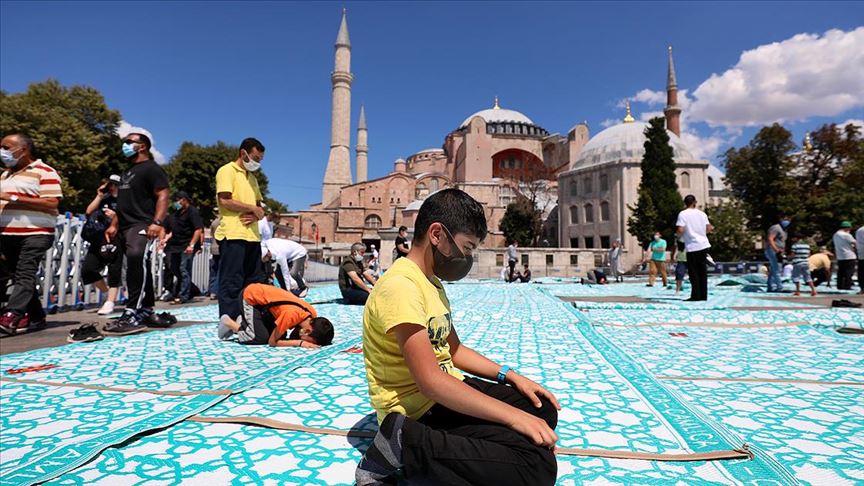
pixel 94 228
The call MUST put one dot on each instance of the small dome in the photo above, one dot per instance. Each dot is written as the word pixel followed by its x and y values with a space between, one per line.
pixel 414 205
pixel 624 141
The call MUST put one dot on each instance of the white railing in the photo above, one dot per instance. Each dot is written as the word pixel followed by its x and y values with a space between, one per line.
pixel 62 289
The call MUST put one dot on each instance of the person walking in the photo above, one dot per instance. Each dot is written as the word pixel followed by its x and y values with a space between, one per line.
pixel 657 263
pixel 775 248
pixel 694 226
pixel 679 256
pixel 844 248
pixel 240 210
pixel 101 212
pixel 615 265
pixel 29 195
pixel 182 243
pixel 142 205
pixel 859 245
pixel 512 259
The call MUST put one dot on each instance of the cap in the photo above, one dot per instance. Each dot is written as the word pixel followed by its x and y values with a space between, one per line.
pixel 114 178
pixel 846 224
pixel 182 195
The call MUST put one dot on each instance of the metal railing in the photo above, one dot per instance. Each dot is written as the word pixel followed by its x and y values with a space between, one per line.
pixel 62 289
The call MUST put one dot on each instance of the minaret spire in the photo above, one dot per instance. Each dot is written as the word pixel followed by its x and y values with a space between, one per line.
pixel 628 118
pixel 672 110
pixel 362 148
pixel 338 173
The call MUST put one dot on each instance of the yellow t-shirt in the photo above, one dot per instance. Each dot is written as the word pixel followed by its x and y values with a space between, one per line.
pixel 403 295
pixel 818 261
pixel 243 187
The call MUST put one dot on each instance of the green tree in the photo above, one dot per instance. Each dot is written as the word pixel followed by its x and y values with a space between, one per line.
pixel 193 169
pixel 74 131
pixel 758 176
pixel 520 221
pixel 731 240
pixel 659 201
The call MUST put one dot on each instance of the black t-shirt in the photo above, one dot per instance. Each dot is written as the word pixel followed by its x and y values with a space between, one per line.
pixel 136 202
pixel 345 281
pixel 109 202
pixel 181 225
pixel 401 241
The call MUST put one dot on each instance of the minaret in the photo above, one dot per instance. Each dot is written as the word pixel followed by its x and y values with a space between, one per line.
pixel 362 149
pixel 672 110
pixel 628 118
pixel 338 173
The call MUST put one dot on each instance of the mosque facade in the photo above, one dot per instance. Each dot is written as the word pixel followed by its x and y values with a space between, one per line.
pixel 495 155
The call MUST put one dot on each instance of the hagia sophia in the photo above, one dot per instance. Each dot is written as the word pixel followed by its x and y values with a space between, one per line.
pixel 583 185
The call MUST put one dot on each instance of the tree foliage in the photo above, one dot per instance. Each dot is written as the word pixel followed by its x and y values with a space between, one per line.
pixel 520 222
pixel 819 187
pixel 74 131
pixel 659 201
pixel 731 239
pixel 193 169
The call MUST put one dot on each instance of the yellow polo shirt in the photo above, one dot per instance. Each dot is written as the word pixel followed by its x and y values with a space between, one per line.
pixel 819 261
pixel 403 295
pixel 243 187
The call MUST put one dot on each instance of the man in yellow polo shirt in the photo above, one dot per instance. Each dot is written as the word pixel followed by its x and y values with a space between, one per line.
pixel 239 241
pixel 438 426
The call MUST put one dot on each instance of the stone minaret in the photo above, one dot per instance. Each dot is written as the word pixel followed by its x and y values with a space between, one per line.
pixel 338 173
pixel 362 148
pixel 672 110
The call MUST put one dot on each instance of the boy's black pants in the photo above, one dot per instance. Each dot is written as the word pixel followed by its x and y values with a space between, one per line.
pixel 447 447
pixel 697 267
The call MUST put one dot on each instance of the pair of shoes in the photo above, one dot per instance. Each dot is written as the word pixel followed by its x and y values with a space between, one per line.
pixel 161 320
pixel 84 334
pixel 844 303
pixel 107 308
pixel 128 323
pixel 12 323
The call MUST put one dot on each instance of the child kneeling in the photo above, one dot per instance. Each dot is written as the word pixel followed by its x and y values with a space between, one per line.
pixel 276 317
pixel 436 425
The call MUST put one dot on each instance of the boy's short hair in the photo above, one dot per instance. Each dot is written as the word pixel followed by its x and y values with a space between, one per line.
pixel 689 200
pixel 322 331
pixel 455 209
pixel 403 228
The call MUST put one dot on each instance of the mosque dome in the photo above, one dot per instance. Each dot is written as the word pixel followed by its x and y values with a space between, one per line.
pixel 625 141
pixel 515 122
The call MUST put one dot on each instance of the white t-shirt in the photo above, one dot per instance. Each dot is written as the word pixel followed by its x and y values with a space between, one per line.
pixel 265 229
pixel 695 224
pixel 843 243
pixel 859 243
pixel 282 249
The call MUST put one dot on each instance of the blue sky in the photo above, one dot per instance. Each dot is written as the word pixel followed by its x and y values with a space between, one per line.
pixel 208 71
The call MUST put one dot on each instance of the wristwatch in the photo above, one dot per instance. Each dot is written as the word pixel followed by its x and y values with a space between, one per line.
pixel 157 222
pixel 502 374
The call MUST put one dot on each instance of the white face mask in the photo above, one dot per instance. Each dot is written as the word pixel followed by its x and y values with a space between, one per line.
pixel 358 258
pixel 250 164
pixel 8 159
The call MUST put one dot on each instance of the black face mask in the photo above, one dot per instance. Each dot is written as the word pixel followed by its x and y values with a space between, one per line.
pixel 453 267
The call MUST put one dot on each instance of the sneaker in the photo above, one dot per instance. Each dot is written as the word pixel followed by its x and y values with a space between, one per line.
pixel 128 323
pixel 12 323
pixel 107 308
pixel 84 334
pixel 35 324
pixel 160 320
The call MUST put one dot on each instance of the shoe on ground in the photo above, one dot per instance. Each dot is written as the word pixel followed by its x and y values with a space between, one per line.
pixel 128 323
pixel 12 323
pixel 844 303
pixel 161 320
pixel 107 308
pixel 303 293
pixel 84 334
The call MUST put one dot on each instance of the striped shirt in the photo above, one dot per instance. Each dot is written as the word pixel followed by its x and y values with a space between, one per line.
pixel 800 252
pixel 35 180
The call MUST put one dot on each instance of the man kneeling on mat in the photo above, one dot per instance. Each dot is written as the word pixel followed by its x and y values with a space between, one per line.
pixel 438 426
pixel 270 313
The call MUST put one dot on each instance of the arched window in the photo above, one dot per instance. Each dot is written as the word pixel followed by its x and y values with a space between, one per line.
pixel 589 213
pixel 420 191
pixel 710 183
pixel 604 211
pixel 586 185
pixel 685 180
pixel 574 190
pixel 373 221
pixel 574 215
pixel 604 182
pixel 434 186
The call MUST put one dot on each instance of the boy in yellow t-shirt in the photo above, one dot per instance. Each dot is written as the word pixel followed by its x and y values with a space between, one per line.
pixel 436 425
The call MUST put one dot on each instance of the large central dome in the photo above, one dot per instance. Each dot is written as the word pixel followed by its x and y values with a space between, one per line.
pixel 625 141
pixel 497 114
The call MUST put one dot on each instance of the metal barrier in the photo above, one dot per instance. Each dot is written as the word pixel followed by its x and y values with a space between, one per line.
pixel 59 277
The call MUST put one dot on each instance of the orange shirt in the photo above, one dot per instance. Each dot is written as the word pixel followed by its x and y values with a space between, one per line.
pixel 287 316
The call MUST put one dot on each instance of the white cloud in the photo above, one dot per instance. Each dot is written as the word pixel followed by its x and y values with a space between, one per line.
pixel 854 121
pixel 609 122
pixel 647 96
pixel 125 128
pixel 804 76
